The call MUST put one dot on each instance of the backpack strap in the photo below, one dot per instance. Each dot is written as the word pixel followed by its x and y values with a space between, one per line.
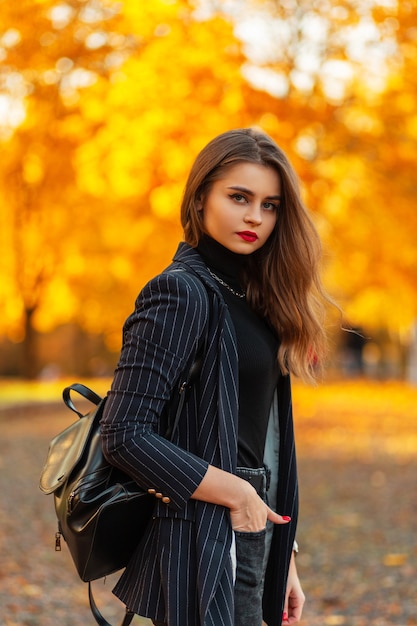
pixel 101 621
pixel 185 384
pixel 84 391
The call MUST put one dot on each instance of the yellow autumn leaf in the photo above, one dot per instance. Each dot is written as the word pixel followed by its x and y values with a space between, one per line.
pixel 395 560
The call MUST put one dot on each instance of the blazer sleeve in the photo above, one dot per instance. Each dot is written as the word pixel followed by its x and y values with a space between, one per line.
pixel 159 339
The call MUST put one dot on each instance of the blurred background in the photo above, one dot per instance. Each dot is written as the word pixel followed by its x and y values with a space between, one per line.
pixel 104 106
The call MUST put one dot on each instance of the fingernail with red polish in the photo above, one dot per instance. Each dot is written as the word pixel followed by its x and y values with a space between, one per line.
pixel 284 617
pixel 287 519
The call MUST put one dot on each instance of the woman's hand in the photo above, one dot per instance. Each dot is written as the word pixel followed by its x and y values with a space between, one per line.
pixel 250 512
pixel 294 597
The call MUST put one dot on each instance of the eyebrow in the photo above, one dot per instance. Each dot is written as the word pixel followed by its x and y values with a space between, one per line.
pixel 251 193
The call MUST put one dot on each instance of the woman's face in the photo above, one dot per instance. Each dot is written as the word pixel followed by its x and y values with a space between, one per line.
pixel 240 210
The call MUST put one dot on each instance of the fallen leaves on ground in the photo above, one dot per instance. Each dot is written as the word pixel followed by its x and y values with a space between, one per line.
pixel 357 455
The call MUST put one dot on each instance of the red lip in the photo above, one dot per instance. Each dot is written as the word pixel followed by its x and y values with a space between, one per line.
pixel 248 235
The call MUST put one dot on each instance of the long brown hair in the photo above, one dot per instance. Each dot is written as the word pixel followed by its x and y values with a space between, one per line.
pixel 282 278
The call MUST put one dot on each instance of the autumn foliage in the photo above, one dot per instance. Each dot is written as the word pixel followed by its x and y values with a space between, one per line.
pixel 104 105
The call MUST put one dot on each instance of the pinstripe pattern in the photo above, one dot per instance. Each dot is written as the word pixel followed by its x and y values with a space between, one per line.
pixel 181 571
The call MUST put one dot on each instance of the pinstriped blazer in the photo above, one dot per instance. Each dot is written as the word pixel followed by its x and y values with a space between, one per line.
pixel 181 571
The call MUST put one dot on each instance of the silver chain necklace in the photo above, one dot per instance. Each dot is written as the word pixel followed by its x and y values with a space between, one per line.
pixel 239 294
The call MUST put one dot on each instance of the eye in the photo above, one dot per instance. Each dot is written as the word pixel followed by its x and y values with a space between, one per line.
pixel 238 197
pixel 270 206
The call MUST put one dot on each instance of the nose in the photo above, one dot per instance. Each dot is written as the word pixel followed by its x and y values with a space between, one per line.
pixel 253 215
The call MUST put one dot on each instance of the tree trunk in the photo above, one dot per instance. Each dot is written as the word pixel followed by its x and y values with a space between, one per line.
pixel 30 365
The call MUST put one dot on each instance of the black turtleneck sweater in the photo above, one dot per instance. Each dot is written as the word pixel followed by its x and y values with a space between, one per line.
pixel 257 348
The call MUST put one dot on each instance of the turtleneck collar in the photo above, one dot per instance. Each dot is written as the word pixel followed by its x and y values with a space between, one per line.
pixel 227 264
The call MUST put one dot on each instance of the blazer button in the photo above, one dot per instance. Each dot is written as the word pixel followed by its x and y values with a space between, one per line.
pixel 166 500
pixel 158 495
pixel 152 492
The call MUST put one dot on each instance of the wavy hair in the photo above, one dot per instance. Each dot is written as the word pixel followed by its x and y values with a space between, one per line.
pixel 283 277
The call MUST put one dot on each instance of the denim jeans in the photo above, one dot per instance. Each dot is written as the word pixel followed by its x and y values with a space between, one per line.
pixel 250 559
pixel 250 550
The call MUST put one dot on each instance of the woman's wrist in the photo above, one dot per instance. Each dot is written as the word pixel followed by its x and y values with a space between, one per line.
pixel 224 488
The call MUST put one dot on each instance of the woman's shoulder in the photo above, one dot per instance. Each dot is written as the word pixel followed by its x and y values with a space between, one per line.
pixel 177 281
pixel 173 298
pixel 187 272
pixel 182 289
pixel 176 289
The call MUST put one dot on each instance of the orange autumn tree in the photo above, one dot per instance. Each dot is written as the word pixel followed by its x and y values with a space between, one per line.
pixel 113 107
pixel 382 269
pixel 51 54
pixel 367 183
pixel 345 81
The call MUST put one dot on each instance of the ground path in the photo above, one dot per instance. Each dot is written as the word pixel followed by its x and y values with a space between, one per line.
pixel 357 445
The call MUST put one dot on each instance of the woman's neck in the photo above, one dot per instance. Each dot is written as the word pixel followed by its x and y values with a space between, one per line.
pixel 219 259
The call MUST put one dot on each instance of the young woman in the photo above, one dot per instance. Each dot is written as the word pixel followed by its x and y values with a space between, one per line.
pixel 244 293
